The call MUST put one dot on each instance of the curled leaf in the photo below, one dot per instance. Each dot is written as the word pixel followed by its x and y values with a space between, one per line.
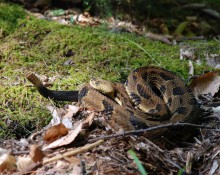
pixel 55 132
pixel 206 83
pixel 25 164
pixel 65 140
pixel 36 153
pixel 7 162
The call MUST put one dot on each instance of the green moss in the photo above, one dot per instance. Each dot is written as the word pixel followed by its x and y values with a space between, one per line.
pixel 41 46
pixel 10 15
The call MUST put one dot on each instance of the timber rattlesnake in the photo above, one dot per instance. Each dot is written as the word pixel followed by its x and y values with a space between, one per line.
pixel 150 96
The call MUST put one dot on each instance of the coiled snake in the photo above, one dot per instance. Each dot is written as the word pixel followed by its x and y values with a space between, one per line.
pixel 150 96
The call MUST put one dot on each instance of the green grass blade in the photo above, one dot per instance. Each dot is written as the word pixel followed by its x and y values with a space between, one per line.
pixel 140 47
pixel 138 163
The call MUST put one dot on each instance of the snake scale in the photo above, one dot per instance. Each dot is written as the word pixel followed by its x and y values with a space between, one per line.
pixel 150 96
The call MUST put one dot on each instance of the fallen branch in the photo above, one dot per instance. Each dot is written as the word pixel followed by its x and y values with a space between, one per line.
pixel 158 37
pixel 74 152
pixel 202 7
pixel 212 13
pixel 194 6
pixel 134 132
pixel 101 139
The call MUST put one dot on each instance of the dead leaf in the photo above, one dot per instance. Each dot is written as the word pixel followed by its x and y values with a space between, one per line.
pixel 213 60
pixel 55 132
pixel 72 134
pixel 25 164
pixel 23 144
pixel 67 118
pixel 67 139
pixel 214 167
pixel 7 162
pixel 56 113
pixel 206 83
pixel 3 151
pixel 88 121
pixel 191 68
pixel 187 52
pixel 73 108
pixel 61 115
pixel 36 153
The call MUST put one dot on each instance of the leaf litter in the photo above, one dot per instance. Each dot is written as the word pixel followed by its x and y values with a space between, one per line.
pixel 68 149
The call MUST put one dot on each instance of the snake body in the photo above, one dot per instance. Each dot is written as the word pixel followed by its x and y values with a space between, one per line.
pixel 150 96
pixel 161 94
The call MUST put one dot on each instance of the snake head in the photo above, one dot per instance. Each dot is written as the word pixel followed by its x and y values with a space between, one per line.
pixel 103 86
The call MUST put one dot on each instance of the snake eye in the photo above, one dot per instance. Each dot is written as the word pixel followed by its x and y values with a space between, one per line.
pixel 92 79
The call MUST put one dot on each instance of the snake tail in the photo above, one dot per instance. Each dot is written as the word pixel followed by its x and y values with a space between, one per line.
pixel 52 94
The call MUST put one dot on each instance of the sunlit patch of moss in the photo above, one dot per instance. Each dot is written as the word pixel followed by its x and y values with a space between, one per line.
pixel 10 14
pixel 19 116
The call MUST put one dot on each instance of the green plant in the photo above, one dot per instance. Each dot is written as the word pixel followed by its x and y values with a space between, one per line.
pixel 181 172
pixel 10 14
pixel 138 163
pixel 102 8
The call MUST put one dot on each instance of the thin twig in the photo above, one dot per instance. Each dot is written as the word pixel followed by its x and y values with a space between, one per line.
pixel 169 125
pixel 189 162
pixel 74 152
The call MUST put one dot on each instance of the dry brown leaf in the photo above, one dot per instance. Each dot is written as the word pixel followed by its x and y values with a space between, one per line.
pixel 25 164
pixel 67 139
pixel 56 113
pixel 206 83
pixel 72 133
pixel 55 132
pixel 67 118
pixel 7 162
pixel 73 108
pixel 36 153
pixel 61 115
pixel 88 121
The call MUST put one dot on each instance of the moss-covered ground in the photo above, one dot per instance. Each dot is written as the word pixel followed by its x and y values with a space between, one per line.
pixel 42 46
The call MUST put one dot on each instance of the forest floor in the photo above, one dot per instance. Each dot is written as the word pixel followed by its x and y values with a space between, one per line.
pixel 66 57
